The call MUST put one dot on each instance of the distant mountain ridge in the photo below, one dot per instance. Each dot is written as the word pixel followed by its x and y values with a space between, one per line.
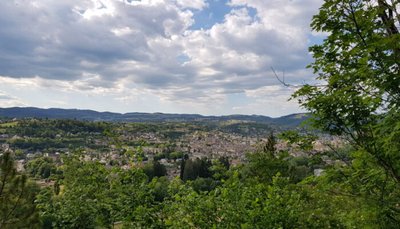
pixel 91 115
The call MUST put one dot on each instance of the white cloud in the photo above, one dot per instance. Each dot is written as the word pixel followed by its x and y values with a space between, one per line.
pixel 98 9
pixel 194 4
pixel 147 48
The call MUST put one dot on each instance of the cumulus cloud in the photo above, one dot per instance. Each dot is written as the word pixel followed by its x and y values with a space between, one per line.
pixel 194 4
pixel 122 47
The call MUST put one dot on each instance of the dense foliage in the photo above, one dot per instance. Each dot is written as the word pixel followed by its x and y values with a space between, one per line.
pixel 17 196
pixel 359 64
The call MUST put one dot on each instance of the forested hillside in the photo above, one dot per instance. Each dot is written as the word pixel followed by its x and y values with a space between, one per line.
pixel 288 121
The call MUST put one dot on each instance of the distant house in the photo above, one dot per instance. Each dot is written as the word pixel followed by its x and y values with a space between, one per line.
pixel 20 165
pixel 4 136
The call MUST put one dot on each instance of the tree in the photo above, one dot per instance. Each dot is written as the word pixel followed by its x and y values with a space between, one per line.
pixel 94 195
pixel 265 163
pixel 155 169
pixel 17 197
pixel 182 165
pixel 189 171
pixel 159 169
pixel 220 168
pixel 359 64
pixel 41 167
pixel 270 146
pixel 197 168
pixel 239 203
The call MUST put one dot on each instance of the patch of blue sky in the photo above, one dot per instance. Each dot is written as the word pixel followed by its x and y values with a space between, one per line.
pixel 209 16
pixel 183 58
pixel 315 39
pixel 215 13
pixel 252 12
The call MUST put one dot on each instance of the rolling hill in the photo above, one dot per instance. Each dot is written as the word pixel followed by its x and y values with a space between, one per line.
pixel 292 120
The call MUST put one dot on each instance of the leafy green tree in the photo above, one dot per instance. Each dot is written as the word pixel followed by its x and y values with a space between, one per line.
pixel 159 187
pixel 17 197
pixel 303 142
pixel 93 195
pixel 242 203
pixel 41 167
pixel 155 169
pixel 220 168
pixel 197 168
pixel 359 98
pixel 264 164
pixel 359 61
pixel 204 184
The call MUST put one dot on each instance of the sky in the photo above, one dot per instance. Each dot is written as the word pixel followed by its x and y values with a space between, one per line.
pixel 211 57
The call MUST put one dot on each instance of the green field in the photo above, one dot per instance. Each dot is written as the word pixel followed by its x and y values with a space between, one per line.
pixel 8 124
